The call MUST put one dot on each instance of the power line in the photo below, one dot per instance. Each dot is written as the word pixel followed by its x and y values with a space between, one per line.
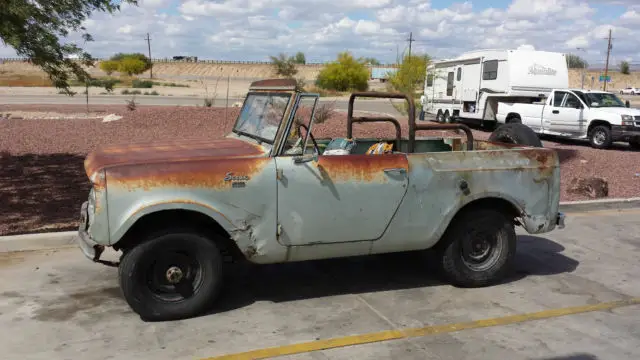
pixel 149 46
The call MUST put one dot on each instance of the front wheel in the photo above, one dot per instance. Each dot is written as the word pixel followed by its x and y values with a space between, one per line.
pixel 600 137
pixel 478 248
pixel 174 274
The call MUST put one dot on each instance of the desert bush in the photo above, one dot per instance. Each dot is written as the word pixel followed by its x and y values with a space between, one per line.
pixel 119 57
pixel 411 74
pixel 284 66
pixel 575 62
pixel 109 66
pixel 131 66
pixel 142 84
pixel 625 68
pixel 345 74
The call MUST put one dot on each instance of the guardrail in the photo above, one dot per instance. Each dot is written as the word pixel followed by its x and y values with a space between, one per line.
pixel 203 61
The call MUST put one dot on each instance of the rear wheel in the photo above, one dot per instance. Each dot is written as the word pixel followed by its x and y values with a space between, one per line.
pixel 515 133
pixel 439 116
pixel 478 248
pixel 173 274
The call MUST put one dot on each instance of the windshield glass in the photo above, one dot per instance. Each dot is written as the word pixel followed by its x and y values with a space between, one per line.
pixel 603 99
pixel 261 116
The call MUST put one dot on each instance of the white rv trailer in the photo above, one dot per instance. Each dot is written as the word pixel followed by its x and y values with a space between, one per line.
pixel 470 86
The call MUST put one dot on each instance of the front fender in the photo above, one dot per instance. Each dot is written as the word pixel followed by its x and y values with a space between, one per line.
pixel 137 211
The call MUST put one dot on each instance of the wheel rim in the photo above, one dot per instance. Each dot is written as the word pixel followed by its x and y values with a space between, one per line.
pixel 481 250
pixel 447 118
pixel 599 137
pixel 173 275
pixel 439 117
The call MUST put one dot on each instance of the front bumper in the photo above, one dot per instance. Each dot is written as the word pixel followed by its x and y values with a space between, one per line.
pixel 90 248
pixel 625 133
pixel 560 220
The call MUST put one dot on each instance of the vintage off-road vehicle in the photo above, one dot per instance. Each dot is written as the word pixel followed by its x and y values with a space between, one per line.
pixel 269 193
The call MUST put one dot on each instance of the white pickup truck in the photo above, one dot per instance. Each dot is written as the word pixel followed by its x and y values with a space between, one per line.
pixel 598 116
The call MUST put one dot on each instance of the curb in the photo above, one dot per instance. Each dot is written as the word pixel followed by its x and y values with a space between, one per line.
pixel 38 241
pixel 598 205
pixel 52 240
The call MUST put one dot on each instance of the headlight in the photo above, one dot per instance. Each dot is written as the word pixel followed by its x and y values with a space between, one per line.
pixel 627 117
pixel 627 120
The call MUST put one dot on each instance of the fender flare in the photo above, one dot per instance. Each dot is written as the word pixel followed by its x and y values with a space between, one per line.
pixel 139 212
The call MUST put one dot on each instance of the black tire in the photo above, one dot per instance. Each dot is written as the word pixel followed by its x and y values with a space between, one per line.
pixel 446 118
pixel 439 117
pixel 143 280
pixel 600 137
pixel 514 119
pixel 514 133
pixel 466 231
pixel 635 144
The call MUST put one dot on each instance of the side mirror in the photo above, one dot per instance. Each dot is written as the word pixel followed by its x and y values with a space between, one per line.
pixel 627 103
pixel 305 158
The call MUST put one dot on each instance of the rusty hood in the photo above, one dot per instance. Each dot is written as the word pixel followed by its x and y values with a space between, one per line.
pixel 168 151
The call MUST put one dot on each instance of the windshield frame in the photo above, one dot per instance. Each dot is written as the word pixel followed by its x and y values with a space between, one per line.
pixel 265 94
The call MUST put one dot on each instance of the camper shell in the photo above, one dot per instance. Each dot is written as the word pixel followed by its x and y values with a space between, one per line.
pixel 470 86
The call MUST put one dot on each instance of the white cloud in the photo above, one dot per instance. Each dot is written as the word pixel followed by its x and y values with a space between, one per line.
pixel 255 29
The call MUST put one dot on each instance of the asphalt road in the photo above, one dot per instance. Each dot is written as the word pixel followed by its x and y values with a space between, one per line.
pixel 59 305
pixel 379 106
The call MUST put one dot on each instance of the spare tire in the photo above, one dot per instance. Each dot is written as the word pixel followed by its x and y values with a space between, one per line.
pixel 515 133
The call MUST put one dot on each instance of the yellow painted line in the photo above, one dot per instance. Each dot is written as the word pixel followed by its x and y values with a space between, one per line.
pixel 310 346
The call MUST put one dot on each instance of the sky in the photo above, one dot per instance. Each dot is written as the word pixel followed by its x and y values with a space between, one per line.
pixel 255 29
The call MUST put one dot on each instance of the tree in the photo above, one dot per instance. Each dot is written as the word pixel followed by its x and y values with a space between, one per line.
pixel 109 66
pixel 284 66
pixel 411 74
pixel 625 68
pixel 346 73
pixel 119 57
pixel 34 28
pixel 131 66
pixel 300 58
pixel 576 62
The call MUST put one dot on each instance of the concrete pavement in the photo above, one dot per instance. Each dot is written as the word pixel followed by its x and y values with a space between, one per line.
pixel 57 304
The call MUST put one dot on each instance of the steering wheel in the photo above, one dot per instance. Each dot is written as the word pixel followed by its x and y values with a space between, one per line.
pixel 315 144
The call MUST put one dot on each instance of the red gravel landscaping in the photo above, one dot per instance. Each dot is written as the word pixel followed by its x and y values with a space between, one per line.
pixel 42 180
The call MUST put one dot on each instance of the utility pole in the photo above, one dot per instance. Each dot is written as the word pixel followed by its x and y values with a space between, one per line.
pixel 411 39
pixel 151 62
pixel 606 66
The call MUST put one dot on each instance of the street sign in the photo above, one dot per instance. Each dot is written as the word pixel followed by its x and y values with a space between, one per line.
pixel 602 78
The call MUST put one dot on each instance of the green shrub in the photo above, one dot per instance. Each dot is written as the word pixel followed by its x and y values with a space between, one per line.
pixel 142 84
pixel 131 66
pixel 119 57
pixel 345 74
pixel 109 66
pixel 625 68
pixel 411 74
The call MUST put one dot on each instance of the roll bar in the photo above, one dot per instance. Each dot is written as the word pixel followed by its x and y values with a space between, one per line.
pixel 413 127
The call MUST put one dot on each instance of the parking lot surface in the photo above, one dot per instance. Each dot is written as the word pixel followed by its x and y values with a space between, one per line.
pixel 56 304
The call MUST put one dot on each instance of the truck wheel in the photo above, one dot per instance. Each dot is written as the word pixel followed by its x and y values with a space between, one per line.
pixel 514 133
pixel 477 249
pixel 600 137
pixel 635 144
pixel 447 118
pixel 174 274
pixel 439 117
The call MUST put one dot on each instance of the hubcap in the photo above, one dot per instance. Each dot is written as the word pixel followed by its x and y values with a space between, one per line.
pixel 174 275
pixel 599 137
pixel 481 250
